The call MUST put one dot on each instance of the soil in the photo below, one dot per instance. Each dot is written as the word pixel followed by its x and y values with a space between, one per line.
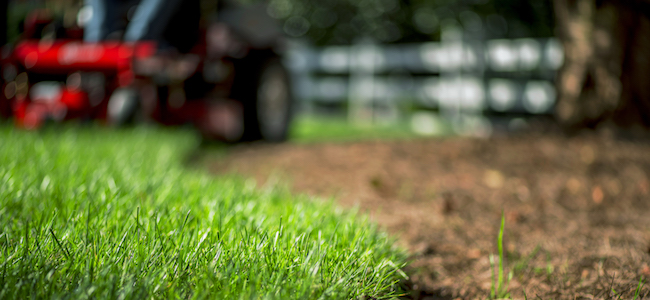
pixel 577 210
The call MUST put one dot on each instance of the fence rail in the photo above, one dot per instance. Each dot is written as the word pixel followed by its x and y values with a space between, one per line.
pixel 453 77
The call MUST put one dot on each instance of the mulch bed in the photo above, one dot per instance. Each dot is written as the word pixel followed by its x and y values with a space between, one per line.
pixel 577 209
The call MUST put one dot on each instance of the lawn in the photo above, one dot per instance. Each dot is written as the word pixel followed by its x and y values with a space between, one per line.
pixel 96 213
pixel 310 129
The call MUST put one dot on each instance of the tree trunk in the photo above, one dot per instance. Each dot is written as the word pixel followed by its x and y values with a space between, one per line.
pixel 606 73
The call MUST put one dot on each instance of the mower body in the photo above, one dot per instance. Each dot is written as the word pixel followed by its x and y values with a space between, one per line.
pixel 216 86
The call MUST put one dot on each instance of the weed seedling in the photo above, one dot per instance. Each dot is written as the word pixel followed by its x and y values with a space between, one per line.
pixel 500 289
pixel 638 288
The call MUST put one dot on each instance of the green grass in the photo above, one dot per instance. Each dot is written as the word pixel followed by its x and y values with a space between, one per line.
pixel 308 129
pixel 93 213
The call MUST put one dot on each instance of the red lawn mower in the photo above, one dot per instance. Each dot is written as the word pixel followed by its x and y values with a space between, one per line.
pixel 227 79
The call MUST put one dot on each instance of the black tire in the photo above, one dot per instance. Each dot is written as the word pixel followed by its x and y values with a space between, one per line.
pixel 267 101
pixel 122 107
pixel 5 104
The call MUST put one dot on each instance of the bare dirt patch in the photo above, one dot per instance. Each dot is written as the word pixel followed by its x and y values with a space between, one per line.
pixel 577 210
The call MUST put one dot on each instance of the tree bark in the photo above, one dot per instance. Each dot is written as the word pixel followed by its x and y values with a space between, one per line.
pixel 606 73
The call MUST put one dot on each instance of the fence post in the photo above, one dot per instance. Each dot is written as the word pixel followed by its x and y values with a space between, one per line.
pixel 363 57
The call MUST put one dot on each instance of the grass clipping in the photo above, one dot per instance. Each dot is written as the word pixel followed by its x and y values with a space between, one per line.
pixel 91 213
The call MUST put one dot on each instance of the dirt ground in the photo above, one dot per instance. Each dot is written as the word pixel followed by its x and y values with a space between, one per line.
pixel 577 210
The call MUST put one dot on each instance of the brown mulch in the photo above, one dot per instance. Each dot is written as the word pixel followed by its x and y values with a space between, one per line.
pixel 577 209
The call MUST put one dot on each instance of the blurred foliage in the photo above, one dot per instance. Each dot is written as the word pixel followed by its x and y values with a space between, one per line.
pixel 387 21
pixel 398 21
pixel 64 11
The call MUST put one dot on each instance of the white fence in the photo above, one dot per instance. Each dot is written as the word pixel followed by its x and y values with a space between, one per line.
pixel 454 77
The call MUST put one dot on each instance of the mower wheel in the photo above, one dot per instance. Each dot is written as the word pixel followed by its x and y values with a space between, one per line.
pixel 273 102
pixel 122 107
pixel 263 88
